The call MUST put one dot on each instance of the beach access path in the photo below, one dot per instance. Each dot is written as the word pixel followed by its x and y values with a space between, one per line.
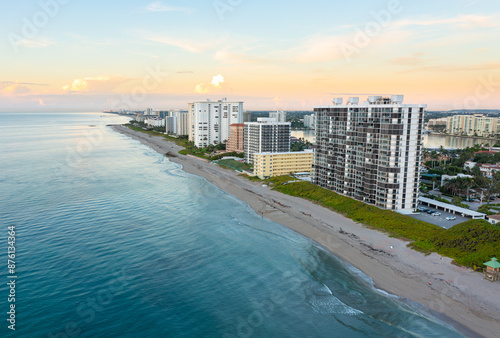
pixel 456 294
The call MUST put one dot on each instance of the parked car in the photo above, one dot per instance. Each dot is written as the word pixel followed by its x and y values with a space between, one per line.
pixel 451 218
pixel 430 211
pixel 492 198
pixel 436 214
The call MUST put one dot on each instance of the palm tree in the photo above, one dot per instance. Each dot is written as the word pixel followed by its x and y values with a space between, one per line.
pixel 442 152
pixel 434 180
pixel 434 156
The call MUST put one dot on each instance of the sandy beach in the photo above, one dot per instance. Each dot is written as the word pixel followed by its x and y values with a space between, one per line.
pixel 457 295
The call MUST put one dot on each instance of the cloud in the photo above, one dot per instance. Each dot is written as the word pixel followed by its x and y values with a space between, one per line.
pixel 3 84
pixel 145 54
pixel 17 88
pixel 462 21
pixel 230 57
pixel 217 80
pixel 78 85
pixel 415 59
pixel 183 44
pixel 158 6
pixel 101 84
pixel 37 42
pixel 322 48
pixel 203 88
pixel 454 68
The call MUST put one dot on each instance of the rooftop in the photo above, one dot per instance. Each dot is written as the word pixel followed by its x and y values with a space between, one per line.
pixel 443 205
pixel 394 100
pixel 493 263
pixel 307 151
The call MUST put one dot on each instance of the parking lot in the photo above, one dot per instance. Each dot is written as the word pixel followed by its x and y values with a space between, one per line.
pixel 441 219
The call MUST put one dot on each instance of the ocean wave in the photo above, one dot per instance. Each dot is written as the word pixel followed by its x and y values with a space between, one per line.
pixel 322 300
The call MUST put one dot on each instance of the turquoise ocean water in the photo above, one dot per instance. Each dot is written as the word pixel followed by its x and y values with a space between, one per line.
pixel 113 240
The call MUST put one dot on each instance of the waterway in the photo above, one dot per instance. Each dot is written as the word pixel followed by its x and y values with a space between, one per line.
pixel 430 140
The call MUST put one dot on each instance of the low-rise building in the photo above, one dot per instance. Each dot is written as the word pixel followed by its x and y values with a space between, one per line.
pixel 469 165
pixel 445 178
pixel 437 122
pixel 154 121
pixel 277 164
pixel 494 219
pixel 488 169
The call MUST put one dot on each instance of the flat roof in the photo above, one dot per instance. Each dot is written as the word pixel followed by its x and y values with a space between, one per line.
pixel 373 105
pixel 451 207
pixel 308 151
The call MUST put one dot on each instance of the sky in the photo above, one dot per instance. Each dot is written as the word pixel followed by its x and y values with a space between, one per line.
pixel 70 55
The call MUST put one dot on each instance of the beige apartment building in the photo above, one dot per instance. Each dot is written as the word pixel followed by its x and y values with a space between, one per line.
pixel 278 164
pixel 472 125
pixel 236 138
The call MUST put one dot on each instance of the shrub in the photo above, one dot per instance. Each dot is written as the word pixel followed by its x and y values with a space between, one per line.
pixel 470 243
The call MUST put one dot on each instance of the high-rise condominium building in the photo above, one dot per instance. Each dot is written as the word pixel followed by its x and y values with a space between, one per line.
pixel 183 123
pixel 210 120
pixel 171 123
pixel 310 121
pixel 266 135
pixel 280 116
pixel 371 151
pixel 473 125
pixel 247 116
pixel 236 138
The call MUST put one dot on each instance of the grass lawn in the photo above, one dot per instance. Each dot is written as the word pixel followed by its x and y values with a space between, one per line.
pixel 235 165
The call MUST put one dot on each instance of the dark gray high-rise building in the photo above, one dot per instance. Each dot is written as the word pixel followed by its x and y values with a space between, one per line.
pixel 371 152
pixel 266 135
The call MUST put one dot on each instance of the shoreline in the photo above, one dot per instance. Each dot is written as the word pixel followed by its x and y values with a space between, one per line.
pixel 457 295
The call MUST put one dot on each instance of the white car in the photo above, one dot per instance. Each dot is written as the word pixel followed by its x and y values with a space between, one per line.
pixel 451 218
pixel 436 214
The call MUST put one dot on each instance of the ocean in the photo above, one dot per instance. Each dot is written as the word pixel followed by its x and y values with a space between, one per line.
pixel 114 240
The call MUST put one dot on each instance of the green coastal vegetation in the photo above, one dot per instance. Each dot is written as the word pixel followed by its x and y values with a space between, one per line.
pixel 208 153
pixel 470 243
pixel 236 165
